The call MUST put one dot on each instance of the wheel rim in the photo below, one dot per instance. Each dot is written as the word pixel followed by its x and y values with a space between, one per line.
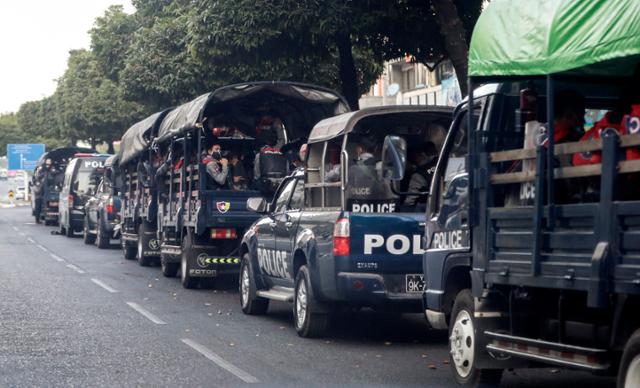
pixel 632 378
pixel 140 248
pixel 183 270
pixel 462 343
pixel 244 285
pixel 301 303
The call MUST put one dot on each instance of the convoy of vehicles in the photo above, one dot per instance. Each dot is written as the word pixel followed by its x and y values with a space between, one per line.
pixel 102 209
pixel 479 216
pixel 81 178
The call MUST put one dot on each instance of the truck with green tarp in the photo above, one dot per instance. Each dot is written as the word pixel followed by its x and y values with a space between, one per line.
pixel 532 250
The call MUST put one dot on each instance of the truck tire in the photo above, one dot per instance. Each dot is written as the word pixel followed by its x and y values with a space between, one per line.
pixel 187 280
pixel 169 270
pixel 144 261
pixel 87 237
pixel 463 346
pixel 250 302
pixel 128 251
pixel 629 372
pixel 308 322
pixel 102 239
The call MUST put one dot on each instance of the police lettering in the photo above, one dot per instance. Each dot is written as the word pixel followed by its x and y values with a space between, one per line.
pixel 93 163
pixel 396 244
pixel 373 207
pixel 527 191
pixel 447 240
pixel 273 263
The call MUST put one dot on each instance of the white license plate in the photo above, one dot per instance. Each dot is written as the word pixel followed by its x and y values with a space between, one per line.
pixel 414 283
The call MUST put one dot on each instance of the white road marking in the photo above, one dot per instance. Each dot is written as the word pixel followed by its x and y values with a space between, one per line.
pixel 15 228
pixel 75 268
pixel 103 285
pixel 56 257
pixel 31 240
pixel 29 223
pixel 42 248
pixel 147 314
pixel 239 373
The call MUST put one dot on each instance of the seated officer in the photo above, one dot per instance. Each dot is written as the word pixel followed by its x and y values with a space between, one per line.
pixel 217 166
pixel 420 181
pixel 270 165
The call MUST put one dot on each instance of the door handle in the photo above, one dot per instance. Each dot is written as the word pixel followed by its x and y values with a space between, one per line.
pixel 288 224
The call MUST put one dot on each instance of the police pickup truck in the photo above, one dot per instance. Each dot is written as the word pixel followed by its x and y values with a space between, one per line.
pixel 209 148
pixel 338 234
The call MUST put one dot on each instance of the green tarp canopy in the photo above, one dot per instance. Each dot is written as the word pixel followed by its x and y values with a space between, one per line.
pixel 541 37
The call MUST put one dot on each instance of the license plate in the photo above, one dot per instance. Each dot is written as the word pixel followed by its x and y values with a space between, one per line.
pixel 53 203
pixel 415 283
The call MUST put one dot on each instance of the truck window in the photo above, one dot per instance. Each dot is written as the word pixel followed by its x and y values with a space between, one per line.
pixel 88 175
pixel 283 196
pixel 451 190
pixel 323 174
pixel 297 197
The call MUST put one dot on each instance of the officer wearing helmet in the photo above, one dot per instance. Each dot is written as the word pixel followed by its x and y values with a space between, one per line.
pixel 270 165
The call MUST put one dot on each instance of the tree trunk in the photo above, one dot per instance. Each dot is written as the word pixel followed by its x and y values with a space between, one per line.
pixel 111 150
pixel 348 75
pixel 92 141
pixel 455 39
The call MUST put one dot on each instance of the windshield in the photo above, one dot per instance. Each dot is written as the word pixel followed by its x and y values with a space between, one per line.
pixel 89 174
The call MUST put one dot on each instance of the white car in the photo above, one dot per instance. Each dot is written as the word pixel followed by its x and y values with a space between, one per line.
pixel 21 193
pixel 3 173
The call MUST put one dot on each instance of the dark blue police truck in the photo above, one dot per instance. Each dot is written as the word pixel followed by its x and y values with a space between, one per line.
pixel 209 148
pixel 137 166
pixel 339 234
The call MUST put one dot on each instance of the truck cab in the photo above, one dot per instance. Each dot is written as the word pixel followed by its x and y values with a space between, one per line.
pixel 340 233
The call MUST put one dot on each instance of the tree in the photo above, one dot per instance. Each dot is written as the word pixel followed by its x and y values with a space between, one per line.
pixel 111 39
pixel 92 105
pixel 9 132
pixel 39 122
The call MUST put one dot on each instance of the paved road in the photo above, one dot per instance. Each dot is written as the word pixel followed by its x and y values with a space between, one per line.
pixel 73 315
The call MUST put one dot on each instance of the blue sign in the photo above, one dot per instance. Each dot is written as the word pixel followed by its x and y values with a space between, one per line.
pixel 23 156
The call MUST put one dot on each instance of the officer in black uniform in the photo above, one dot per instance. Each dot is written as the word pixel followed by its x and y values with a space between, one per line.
pixel 270 165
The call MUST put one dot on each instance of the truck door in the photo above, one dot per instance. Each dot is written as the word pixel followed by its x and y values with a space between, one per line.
pixel 270 263
pixel 447 229
pixel 286 228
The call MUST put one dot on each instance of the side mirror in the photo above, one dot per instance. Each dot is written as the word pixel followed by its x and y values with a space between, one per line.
pixel 394 157
pixel 257 205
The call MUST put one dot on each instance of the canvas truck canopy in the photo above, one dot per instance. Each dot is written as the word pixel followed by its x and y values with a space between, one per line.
pixel 299 106
pixel 575 37
pixel 335 126
pixel 139 136
pixel 56 155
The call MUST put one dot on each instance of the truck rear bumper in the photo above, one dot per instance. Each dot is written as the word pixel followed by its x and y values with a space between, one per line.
pixel 377 290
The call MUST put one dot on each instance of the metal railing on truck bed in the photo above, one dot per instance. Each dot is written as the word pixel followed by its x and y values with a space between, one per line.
pixel 593 247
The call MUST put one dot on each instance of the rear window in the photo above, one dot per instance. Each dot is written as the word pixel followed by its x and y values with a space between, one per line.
pixel 89 174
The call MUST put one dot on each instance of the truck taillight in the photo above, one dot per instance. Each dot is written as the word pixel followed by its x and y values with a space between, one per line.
pixel 109 208
pixel 341 239
pixel 224 233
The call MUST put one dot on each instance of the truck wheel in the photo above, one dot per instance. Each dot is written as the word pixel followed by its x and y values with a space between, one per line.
pixel 462 345
pixel 187 280
pixel 307 322
pixel 169 270
pixel 629 372
pixel 144 261
pixel 251 303
pixel 87 237
pixel 128 251
pixel 102 238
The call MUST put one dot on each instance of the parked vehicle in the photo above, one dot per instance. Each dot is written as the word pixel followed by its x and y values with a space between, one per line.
pixel 46 183
pixel 81 178
pixel 102 209
pixel 138 163
pixel 531 257
pixel 338 234
pixel 3 174
pixel 21 193
pixel 200 220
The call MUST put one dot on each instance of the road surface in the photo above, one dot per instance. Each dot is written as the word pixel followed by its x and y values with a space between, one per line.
pixel 73 315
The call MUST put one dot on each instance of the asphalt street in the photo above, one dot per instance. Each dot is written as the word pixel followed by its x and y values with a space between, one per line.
pixel 73 315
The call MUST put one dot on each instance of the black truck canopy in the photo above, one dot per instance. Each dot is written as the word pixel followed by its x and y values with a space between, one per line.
pixel 139 136
pixel 332 127
pixel 56 155
pixel 299 106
